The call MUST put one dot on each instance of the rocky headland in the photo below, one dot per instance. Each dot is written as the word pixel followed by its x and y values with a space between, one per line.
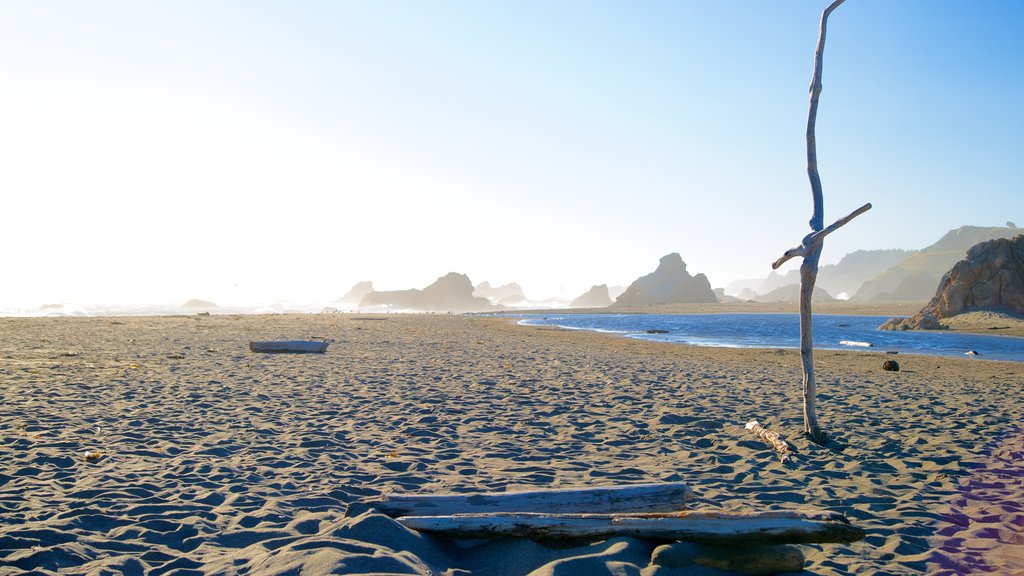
pixel 988 285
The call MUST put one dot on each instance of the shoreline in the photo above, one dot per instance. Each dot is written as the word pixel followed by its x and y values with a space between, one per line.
pixel 981 322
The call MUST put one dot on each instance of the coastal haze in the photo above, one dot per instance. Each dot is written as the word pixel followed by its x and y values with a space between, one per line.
pixel 272 156
pixel 218 214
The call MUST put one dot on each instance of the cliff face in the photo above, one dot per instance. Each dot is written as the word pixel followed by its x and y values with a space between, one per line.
pixel 450 293
pixel 596 297
pixel 669 284
pixel 992 276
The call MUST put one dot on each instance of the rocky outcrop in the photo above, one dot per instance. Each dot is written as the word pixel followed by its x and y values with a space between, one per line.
pixel 991 278
pixel 669 284
pixel 723 297
pixel 596 297
pixel 357 293
pixel 510 293
pixel 450 293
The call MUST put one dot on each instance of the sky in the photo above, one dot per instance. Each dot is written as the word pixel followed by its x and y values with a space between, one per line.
pixel 252 151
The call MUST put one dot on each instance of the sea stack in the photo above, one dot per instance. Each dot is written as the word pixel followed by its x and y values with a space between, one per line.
pixel 596 297
pixel 669 284
pixel 452 292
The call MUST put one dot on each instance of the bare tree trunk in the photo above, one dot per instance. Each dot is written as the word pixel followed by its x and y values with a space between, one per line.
pixel 810 247
pixel 808 274
pixel 809 267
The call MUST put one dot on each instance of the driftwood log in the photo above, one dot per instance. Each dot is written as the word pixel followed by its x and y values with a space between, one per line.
pixel 659 497
pixel 772 438
pixel 810 248
pixel 290 346
pixel 721 528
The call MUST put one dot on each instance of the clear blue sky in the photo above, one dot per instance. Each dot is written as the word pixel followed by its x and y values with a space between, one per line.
pixel 159 151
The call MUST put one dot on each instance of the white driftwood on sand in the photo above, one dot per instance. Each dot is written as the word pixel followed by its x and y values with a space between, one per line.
pixel 721 528
pixel 290 346
pixel 810 248
pixel 660 497
pixel 773 438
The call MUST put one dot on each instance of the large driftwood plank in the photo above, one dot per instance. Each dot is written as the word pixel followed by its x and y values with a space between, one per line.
pixel 290 346
pixel 722 528
pixel 660 497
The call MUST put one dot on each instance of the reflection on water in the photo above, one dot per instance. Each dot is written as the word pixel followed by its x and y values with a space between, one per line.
pixel 783 331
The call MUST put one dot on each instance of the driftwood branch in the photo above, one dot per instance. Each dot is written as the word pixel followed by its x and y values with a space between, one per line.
pixel 815 238
pixel 772 438
pixel 730 528
pixel 659 497
pixel 290 346
pixel 810 248
pixel 818 216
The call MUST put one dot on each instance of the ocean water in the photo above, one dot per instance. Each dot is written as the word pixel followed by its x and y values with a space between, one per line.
pixel 783 331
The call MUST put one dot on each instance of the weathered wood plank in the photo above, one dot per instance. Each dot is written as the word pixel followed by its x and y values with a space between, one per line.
pixel 290 346
pixel 659 497
pixel 708 527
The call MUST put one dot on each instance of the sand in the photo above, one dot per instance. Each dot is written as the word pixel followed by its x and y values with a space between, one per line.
pixel 217 460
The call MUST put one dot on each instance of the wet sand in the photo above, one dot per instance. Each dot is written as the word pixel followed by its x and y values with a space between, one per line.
pixel 218 460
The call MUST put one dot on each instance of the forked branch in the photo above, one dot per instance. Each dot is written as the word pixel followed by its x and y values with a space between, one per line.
pixel 816 237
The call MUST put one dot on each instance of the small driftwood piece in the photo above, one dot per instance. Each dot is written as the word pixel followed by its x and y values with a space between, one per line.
pixel 721 528
pixel 772 438
pixel 659 497
pixel 290 346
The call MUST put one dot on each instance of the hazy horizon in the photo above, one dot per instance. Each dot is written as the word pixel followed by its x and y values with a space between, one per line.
pixel 258 152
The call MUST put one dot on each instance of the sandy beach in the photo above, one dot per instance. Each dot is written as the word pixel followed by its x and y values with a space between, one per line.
pixel 205 458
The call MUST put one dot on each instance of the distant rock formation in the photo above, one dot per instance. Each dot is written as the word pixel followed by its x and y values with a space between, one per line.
pixel 991 277
pixel 737 287
pixel 450 293
pixel 747 294
pixel 509 294
pixel 846 276
pixel 916 276
pixel 669 284
pixel 512 300
pixel 723 297
pixel 791 293
pixel 596 297
pixel 194 303
pixel 912 284
pixel 357 293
